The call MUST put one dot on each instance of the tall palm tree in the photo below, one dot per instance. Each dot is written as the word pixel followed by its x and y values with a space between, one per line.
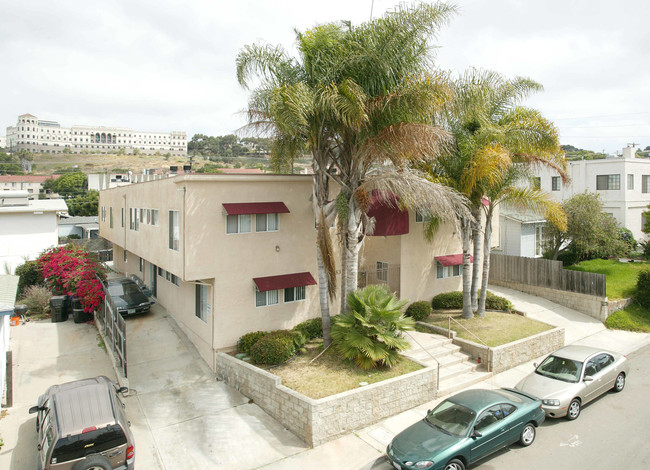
pixel 492 132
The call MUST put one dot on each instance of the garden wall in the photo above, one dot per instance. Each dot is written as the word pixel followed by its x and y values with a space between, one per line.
pixel 319 421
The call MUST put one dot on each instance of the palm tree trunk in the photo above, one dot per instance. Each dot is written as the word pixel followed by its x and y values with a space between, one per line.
pixel 351 247
pixel 476 239
pixel 487 242
pixel 323 295
pixel 466 233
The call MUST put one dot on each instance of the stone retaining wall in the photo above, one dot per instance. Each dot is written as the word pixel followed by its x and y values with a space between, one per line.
pixel 319 421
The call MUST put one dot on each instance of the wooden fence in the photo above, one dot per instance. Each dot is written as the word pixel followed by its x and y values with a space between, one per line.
pixel 545 273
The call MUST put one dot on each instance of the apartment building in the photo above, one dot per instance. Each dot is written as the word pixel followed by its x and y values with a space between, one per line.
pixel 230 254
pixel 33 184
pixel 40 136
pixel 623 184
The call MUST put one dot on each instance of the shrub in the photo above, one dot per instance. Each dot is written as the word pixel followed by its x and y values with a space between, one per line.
pixel 299 338
pixel 37 299
pixel 311 328
pixel 454 300
pixel 448 300
pixel 626 236
pixel 645 249
pixel 247 341
pixel 418 311
pixel 568 257
pixel 643 288
pixel 30 275
pixel 273 348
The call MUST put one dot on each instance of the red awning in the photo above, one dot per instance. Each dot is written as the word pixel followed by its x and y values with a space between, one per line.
pixel 485 201
pixel 452 260
pixel 389 220
pixel 238 208
pixel 283 281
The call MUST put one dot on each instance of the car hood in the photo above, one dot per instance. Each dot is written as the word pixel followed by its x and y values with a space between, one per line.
pixel 421 442
pixel 544 387
pixel 129 300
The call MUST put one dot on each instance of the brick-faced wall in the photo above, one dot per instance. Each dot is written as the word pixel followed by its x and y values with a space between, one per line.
pixel 319 421
pixel 512 354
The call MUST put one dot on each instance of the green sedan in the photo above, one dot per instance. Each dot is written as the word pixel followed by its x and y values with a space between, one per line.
pixel 465 428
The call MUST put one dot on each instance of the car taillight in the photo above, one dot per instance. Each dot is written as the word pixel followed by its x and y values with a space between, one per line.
pixel 130 452
pixel 92 428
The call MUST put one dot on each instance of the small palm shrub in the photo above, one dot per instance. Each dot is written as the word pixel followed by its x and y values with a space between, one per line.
pixel 247 341
pixel 273 348
pixel 454 300
pixel 311 328
pixel 370 334
pixel 418 311
pixel 37 299
pixel 643 288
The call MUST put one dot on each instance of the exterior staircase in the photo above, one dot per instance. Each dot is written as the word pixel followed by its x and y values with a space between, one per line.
pixel 457 369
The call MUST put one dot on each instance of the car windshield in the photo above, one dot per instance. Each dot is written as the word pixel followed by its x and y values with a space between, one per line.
pixel 123 289
pixel 451 418
pixel 560 368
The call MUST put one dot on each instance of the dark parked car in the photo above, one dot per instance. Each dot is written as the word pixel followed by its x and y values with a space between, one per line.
pixel 466 428
pixel 127 296
pixel 82 425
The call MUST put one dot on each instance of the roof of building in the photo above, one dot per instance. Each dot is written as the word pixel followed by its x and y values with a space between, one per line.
pixel 8 290
pixel 523 216
pixel 91 219
pixel 26 178
pixel 38 205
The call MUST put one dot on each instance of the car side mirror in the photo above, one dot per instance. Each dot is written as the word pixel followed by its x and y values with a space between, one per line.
pixel 123 390
pixel 36 409
pixel 535 365
pixel 475 433
pixel 588 378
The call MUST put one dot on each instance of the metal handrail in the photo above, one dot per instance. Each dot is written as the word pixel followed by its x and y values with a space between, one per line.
pixel 463 327
pixel 432 357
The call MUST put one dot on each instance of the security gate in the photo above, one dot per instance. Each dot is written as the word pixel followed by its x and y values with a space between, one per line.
pixel 114 328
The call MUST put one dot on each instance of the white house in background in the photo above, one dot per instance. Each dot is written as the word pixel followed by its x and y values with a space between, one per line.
pixel 26 227
pixel 623 184
pixel 522 232
pixel 82 226
pixel 33 184
pixel 8 288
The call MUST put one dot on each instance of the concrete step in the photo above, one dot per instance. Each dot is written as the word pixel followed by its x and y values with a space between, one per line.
pixel 437 352
pixel 458 382
pixel 454 370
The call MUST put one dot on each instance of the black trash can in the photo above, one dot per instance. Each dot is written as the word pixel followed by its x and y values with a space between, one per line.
pixel 78 314
pixel 59 308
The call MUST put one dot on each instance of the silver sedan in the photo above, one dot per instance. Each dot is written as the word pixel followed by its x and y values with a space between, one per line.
pixel 573 376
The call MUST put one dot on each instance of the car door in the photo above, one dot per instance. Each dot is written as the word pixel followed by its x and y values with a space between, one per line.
pixel 511 423
pixel 493 436
pixel 607 372
pixel 591 386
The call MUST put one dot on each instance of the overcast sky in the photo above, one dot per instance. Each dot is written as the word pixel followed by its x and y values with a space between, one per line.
pixel 170 65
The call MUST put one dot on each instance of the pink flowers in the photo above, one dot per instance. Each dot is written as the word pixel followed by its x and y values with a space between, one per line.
pixel 70 270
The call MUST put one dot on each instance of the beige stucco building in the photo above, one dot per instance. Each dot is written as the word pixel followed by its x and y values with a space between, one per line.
pixel 40 136
pixel 230 254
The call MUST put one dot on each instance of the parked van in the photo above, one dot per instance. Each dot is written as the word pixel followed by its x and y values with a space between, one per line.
pixel 82 425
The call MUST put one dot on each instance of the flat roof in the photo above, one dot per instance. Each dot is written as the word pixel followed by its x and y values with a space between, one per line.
pixel 37 205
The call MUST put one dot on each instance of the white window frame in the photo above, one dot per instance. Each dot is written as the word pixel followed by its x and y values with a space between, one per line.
pixel 630 181
pixel 202 304
pixel 174 230
pixel 613 182
pixel 299 294
pixel 555 183
pixel 266 295
pixel 266 222
pixel 444 272
pixel 421 218
pixel 645 184
pixel 240 217
pixel 382 271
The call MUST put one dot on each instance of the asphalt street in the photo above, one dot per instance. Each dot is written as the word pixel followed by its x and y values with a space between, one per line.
pixel 611 432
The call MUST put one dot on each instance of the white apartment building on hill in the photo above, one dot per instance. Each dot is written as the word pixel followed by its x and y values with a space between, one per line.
pixel 623 184
pixel 39 136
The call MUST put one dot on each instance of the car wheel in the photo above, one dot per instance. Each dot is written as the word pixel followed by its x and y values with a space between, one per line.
pixel 455 464
pixel 574 410
pixel 527 435
pixel 93 462
pixel 619 385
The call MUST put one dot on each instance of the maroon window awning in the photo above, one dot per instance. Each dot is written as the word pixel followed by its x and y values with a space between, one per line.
pixel 239 208
pixel 389 220
pixel 284 281
pixel 452 260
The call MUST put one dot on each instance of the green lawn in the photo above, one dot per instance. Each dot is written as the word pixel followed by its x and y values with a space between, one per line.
pixel 633 318
pixel 621 277
pixel 495 329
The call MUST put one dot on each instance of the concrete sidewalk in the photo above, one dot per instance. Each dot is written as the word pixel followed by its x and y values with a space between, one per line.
pixel 365 449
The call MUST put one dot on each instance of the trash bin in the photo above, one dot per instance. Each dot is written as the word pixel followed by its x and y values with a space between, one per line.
pixel 20 310
pixel 58 307
pixel 78 314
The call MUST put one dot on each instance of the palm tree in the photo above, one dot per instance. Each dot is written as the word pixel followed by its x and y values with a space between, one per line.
pixel 370 334
pixel 492 132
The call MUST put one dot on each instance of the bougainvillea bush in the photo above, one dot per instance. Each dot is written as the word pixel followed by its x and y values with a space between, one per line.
pixel 71 270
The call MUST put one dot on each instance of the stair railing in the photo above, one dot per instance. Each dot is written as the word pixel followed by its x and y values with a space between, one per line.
pixel 432 357
pixel 489 349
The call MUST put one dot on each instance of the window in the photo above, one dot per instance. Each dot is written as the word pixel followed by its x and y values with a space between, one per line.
pixel 174 231
pixel 555 183
pixel 267 223
pixel 103 213
pixel 608 182
pixel 131 219
pixel 154 216
pixel 161 272
pixel 142 211
pixel 645 183
pixel 294 294
pixel 458 270
pixel 175 280
pixel 443 272
pixel 382 271
pixel 110 216
pixel 122 216
pixel 630 182
pixel 238 223
pixel 420 217
pixel 269 297
pixel 488 418
pixel 125 256
pixel 136 221
pixel 141 265
pixel 202 307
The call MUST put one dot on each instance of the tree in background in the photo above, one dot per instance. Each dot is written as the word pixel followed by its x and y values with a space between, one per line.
pixel 9 165
pixel 591 233
pixel 84 205
pixel 70 185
